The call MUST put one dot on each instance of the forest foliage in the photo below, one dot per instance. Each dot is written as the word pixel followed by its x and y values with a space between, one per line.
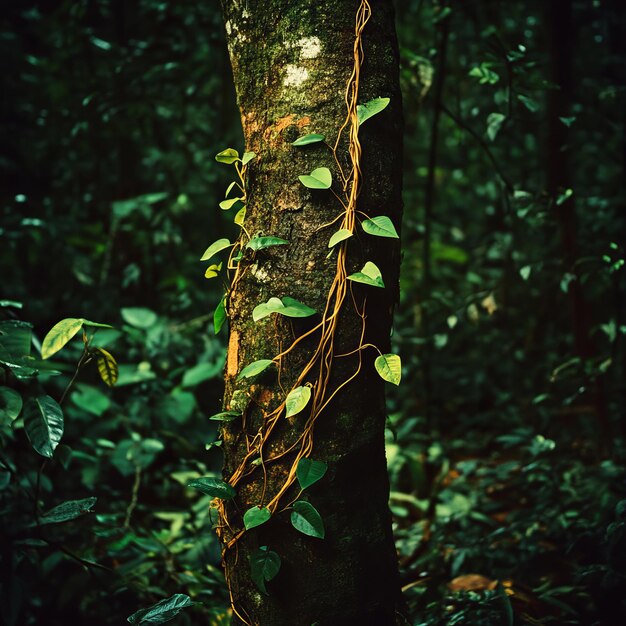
pixel 506 436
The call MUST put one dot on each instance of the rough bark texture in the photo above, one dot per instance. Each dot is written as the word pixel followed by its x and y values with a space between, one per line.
pixel 291 60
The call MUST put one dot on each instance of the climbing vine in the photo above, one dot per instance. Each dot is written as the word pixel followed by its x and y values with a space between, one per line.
pixel 311 390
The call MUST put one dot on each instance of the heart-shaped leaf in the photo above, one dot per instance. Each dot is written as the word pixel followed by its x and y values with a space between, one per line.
pixel 369 275
pixel 389 368
pixel 214 248
pixel 228 156
pixel 287 306
pixel 339 236
pixel 307 520
pixel 256 516
pixel 319 178
pixel 264 566
pixel 297 399
pixel 247 157
pixel 380 226
pixel 309 471
pixel 371 108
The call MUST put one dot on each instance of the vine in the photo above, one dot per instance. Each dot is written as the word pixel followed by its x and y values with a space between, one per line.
pixel 311 390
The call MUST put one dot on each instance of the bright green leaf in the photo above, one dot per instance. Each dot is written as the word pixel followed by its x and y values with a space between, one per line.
pixel 288 307
pixel 255 368
pixel 214 248
pixel 371 108
pixel 306 140
pixel 264 566
pixel 240 217
pixel 529 103
pixel 43 422
pixel 247 157
pixel 310 471
pixel 369 275
pixel 59 335
pixel 307 520
pixel 380 226
pixel 389 368
pixel 319 178
pixel 259 243
pixel 229 203
pixel 139 317
pixel 296 400
pixel 213 487
pixel 494 122
pixel 213 270
pixel 256 516
pixel 161 612
pixel 229 188
pixel 228 156
pixel 339 236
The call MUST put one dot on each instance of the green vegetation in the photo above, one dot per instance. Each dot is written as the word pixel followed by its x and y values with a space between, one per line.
pixel 506 432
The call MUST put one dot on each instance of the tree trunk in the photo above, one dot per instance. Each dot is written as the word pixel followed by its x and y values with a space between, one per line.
pixel 292 60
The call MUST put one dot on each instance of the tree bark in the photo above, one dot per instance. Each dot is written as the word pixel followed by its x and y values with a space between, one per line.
pixel 291 63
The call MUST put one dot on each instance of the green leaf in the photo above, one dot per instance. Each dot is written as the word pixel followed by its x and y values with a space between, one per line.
pixel 307 520
pixel 389 368
pixel 228 204
pixel 297 399
pixel 256 516
pixel 567 121
pixel 568 193
pixel 369 275
pixel 107 366
pixel 59 335
pixel 214 248
pixel 228 156
pixel 319 178
pixel 90 399
pixel 229 189
pixel 494 122
pixel 371 108
pixel 306 140
pixel 95 324
pixel 259 243
pixel 139 317
pixel 219 317
pixel 10 404
pixel 339 236
pixel 247 157
pixel 254 368
pixel 226 416
pixel 68 511
pixel 529 103
pixel 264 566
pixel 287 306
pixel 240 216
pixel 201 372
pixel 43 422
pixel 309 471
pixel 213 487
pixel 161 612
pixel 380 226
pixel 485 74
pixel 213 270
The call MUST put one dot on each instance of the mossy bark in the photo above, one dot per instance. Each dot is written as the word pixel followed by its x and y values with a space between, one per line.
pixel 291 60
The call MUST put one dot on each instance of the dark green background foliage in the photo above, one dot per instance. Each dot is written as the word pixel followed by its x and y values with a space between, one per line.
pixel 506 437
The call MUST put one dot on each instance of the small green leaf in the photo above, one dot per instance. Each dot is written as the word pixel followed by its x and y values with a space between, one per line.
pixel 264 566
pixel 229 189
pixel 568 193
pixel 255 368
pixel 568 121
pixel 68 511
pixel 219 317
pixel 213 270
pixel 389 368
pixel 226 416
pixel 43 422
pixel 369 275
pixel 309 471
pixel 306 140
pixel 259 243
pixel 319 178
pixel 59 335
pixel 228 156
pixel 213 487
pixel 161 612
pixel 380 226
pixel 256 516
pixel 307 520
pixel 229 203
pixel 339 236
pixel 10 404
pixel 529 103
pixel 371 108
pixel 484 72
pixel 214 248
pixel 494 122
pixel 240 217
pixel 107 367
pixel 297 399
pixel 287 306
pixel 139 317
pixel 247 157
